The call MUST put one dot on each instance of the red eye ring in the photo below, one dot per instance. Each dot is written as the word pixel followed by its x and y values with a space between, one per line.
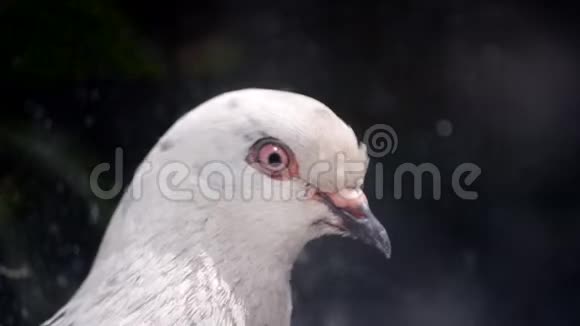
pixel 273 158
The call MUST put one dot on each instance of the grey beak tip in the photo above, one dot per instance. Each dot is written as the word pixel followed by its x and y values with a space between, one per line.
pixel 385 243
pixel 388 254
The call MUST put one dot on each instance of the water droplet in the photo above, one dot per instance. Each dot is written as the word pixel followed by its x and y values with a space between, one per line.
pixel 53 229
pixel 61 281
pixel 24 313
pixel 444 128
pixel 94 213
pixel 48 124
pixel 89 121
pixel 94 95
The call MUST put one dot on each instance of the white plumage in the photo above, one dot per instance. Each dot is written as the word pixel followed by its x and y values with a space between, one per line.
pixel 178 255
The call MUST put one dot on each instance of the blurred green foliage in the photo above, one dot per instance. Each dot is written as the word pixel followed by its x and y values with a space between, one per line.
pixel 70 40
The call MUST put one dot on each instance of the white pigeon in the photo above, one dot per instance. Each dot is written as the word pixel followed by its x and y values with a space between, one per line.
pixel 218 212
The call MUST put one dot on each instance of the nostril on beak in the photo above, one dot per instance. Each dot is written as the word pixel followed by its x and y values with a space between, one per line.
pixel 351 200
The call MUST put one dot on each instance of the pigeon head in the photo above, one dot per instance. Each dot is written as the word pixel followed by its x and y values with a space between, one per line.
pixel 217 213
pixel 264 169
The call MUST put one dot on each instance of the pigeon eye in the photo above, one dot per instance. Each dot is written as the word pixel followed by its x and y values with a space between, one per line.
pixel 272 158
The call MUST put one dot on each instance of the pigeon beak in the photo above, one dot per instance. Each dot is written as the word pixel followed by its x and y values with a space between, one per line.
pixel 357 218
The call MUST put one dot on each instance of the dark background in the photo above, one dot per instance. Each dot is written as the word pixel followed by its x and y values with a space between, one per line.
pixel 492 83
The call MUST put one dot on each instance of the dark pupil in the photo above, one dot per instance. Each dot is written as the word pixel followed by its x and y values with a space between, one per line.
pixel 274 159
